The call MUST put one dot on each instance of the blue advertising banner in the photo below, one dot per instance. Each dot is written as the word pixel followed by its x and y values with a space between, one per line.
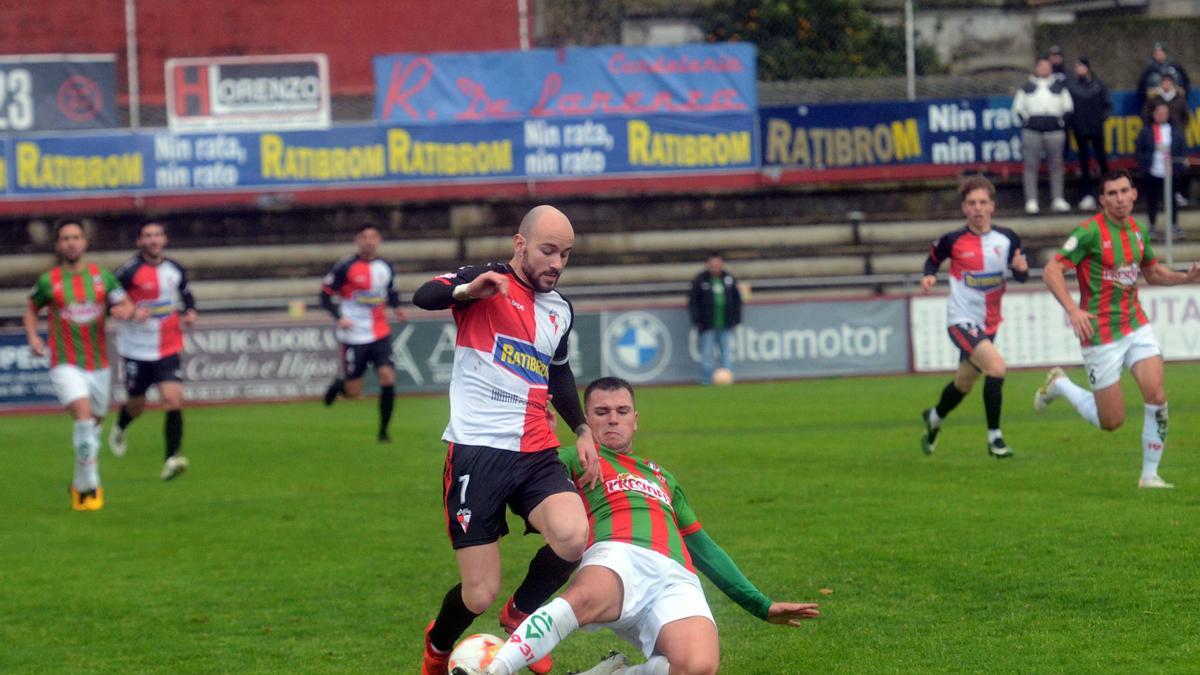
pixel 164 162
pixel 24 377
pixel 945 131
pixel 573 83
pixel 58 92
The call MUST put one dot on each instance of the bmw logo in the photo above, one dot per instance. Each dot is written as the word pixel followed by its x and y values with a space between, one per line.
pixel 637 346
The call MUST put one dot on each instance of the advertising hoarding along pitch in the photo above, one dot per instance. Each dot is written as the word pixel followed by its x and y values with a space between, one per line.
pixel 248 92
pixel 51 92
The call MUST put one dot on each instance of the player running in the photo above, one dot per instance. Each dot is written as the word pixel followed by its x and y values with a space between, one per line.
pixel 150 349
pixel 363 283
pixel 1113 331
pixel 78 295
pixel 981 255
pixel 510 359
pixel 638 575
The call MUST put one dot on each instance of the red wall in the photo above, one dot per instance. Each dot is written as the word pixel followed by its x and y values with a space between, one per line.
pixel 350 32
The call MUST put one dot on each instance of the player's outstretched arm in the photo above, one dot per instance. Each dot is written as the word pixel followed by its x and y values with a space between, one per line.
pixel 565 396
pixel 1161 275
pixel 720 569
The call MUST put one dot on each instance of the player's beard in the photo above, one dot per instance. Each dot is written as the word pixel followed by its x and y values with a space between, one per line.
pixel 536 280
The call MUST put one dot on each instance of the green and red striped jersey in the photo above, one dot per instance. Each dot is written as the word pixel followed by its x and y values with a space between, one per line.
pixel 1107 257
pixel 635 502
pixel 77 302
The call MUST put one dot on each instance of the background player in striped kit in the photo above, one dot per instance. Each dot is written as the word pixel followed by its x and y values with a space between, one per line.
pixel 511 356
pixel 980 256
pixel 637 576
pixel 150 348
pixel 1107 251
pixel 78 295
pixel 363 284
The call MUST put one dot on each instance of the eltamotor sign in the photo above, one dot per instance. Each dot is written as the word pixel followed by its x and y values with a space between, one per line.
pixel 248 92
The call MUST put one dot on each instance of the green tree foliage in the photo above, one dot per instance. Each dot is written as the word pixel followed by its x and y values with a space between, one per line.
pixel 813 39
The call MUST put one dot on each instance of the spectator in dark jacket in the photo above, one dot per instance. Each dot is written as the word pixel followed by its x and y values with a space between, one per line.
pixel 1160 64
pixel 1160 148
pixel 1167 92
pixel 715 304
pixel 1092 108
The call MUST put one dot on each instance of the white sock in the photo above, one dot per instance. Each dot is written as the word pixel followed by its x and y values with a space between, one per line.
pixel 993 434
pixel 1154 436
pixel 87 448
pixel 536 637
pixel 935 420
pixel 657 665
pixel 1082 399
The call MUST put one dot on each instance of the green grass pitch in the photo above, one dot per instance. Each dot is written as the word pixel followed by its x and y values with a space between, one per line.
pixel 297 544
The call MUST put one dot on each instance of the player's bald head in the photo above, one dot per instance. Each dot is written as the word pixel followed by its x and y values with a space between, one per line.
pixel 545 220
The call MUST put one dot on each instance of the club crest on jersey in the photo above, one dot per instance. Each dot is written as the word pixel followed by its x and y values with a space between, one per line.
pixel 627 482
pixel 522 359
pixel 657 471
pixel 464 519
pixel 554 320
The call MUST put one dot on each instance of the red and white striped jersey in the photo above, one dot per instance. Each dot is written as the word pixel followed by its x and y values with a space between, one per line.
pixel 161 288
pixel 502 358
pixel 979 266
pixel 364 289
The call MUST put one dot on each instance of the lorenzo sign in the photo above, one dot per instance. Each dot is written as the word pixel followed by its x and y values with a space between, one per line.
pixel 290 91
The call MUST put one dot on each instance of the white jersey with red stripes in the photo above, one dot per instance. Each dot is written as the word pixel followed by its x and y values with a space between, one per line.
pixel 502 359
pixel 160 288
pixel 979 265
pixel 364 289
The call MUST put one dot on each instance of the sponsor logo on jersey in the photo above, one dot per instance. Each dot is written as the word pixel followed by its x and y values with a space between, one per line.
pixel 522 359
pixel 637 346
pixel 627 482
pixel 1125 276
pixel 983 281
pixel 369 298
pixel 159 309
pixel 464 519
pixel 82 312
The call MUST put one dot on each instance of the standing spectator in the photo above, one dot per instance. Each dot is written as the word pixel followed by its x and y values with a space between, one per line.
pixel 1058 64
pixel 1043 106
pixel 715 304
pixel 1168 92
pixel 1159 148
pixel 1160 64
pixel 1092 106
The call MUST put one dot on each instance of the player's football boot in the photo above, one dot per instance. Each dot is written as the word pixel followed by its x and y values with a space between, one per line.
pixel 615 662
pixel 1154 481
pixel 174 466
pixel 116 441
pixel 91 500
pixel 999 449
pixel 929 438
pixel 433 662
pixel 510 618
pixel 1045 393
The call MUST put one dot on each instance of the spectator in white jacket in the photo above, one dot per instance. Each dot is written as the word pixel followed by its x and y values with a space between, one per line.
pixel 1043 106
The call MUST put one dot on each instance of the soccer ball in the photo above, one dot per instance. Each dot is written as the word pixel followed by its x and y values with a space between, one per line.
pixel 473 654
pixel 722 377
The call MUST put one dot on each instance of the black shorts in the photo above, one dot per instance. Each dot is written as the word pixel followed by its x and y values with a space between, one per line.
pixel 356 357
pixel 141 375
pixel 967 336
pixel 479 481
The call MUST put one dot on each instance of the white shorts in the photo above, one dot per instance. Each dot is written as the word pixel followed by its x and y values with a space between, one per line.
pixel 658 590
pixel 72 383
pixel 1104 363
